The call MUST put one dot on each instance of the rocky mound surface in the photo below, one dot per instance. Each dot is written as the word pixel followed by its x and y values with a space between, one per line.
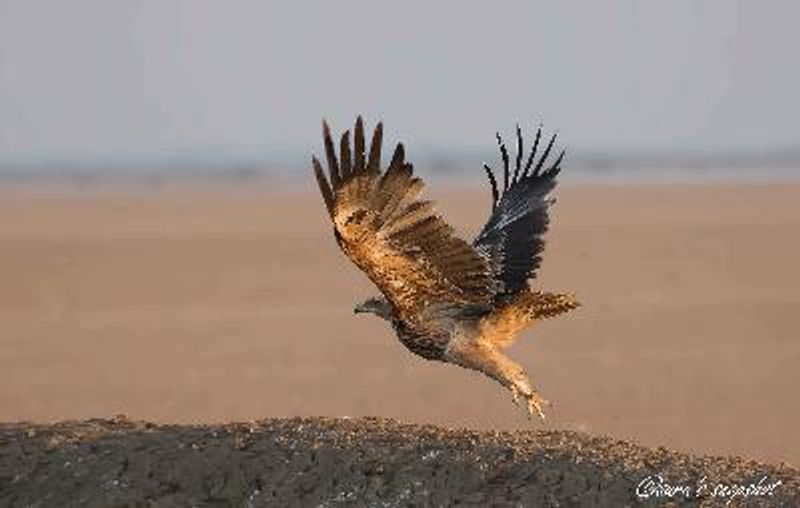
pixel 362 462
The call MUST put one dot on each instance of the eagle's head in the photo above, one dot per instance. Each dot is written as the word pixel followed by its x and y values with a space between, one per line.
pixel 377 305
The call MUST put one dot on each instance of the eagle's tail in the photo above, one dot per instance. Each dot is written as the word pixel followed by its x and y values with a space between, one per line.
pixel 545 305
pixel 505 323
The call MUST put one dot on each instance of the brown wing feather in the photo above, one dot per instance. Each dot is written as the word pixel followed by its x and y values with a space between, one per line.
pixel 407 250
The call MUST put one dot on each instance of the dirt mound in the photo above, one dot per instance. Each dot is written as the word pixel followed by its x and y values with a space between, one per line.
pixel 361 462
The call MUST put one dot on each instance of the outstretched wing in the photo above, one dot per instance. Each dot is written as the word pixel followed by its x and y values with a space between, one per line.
pixel 407 250
pixel 513 238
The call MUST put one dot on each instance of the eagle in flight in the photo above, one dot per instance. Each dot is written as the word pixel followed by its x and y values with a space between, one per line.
pixel 447 299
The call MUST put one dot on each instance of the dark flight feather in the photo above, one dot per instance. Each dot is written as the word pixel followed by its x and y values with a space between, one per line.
pixel 330 154
pixel 324 187
pixel 493 182
pixel 532 156
pixel 359 146
pixel 344 150
pixel 504 153
pixel 513 237
pixel 374 164
pixel 519 155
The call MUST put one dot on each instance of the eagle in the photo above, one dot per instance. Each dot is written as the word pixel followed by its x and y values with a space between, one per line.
pixel 447 299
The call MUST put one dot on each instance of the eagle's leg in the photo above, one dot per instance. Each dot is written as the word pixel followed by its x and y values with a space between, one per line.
pixel 487 358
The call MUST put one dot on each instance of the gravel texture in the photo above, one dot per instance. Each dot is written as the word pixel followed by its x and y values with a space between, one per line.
pixel 361 462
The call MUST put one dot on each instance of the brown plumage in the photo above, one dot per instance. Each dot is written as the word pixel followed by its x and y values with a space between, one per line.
pixel 447 299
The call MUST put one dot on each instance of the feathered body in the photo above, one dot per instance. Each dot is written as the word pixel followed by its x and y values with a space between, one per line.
pixel 447 299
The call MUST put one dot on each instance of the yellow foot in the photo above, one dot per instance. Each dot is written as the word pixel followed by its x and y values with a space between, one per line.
pixel 531 402
pixel 536 403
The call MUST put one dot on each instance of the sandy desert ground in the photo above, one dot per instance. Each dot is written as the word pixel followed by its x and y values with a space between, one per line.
pixel 214 303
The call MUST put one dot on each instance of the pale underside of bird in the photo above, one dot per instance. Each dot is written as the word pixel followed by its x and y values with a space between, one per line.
pixel 447 299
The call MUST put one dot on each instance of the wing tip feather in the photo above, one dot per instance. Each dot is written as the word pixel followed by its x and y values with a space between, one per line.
pixel 324 186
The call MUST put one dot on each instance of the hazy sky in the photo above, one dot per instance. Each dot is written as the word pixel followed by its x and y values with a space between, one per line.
pixel 104 81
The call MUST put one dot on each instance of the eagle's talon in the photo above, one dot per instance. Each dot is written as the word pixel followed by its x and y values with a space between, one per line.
pixel 516 397
pixel 537 403
pixel 531 406
pixel 529 401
